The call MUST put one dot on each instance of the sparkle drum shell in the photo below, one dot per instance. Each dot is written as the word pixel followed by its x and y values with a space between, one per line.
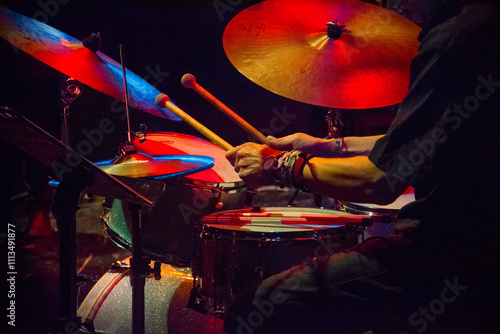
pixel 240 248
pixel 109 304
pixel 167 228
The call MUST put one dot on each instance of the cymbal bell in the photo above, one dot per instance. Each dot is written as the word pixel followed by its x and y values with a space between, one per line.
pixel 156 167
pixel 289 47
pixel 69 56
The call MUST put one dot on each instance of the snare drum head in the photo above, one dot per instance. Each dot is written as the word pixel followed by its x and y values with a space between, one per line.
pixel 158 143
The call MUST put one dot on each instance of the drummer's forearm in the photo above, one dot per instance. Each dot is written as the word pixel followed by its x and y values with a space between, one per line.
pixel 354 179
pixel 359 146
pixel 346 146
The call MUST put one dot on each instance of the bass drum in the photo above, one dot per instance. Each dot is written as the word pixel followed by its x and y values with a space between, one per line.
pixel 378 229
pixel 167 228
pixel 108 306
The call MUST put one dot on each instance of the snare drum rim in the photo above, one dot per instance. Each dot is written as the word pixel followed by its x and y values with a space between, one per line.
pixel 357 208
pixel 229 187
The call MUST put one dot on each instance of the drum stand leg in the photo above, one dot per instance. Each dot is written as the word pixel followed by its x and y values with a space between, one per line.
pixel 138 271
pixel 64 208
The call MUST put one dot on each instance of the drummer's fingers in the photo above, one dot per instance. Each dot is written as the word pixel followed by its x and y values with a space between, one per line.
pixel 231 154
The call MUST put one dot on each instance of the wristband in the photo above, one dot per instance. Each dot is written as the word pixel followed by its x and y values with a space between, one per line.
pixel 286 168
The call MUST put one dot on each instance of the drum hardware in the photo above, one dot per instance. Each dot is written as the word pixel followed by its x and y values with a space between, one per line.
pixel 93 42
pixel 334 30
pixel 71 90
pixel 334 123
pixel 141 134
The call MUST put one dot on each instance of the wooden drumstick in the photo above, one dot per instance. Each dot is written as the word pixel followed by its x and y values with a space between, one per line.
pixel 163 101
pixel 189 81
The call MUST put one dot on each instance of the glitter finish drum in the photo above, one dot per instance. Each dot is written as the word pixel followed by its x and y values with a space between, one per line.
pixel 107 308
pixel 167 228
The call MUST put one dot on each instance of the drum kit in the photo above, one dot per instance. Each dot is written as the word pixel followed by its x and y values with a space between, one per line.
pixel 207 240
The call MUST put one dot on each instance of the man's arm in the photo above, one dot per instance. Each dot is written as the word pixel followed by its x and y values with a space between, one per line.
pixel 327 148
pixel 354 179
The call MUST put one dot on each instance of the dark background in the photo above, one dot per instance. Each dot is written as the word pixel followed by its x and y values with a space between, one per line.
pixel 176 37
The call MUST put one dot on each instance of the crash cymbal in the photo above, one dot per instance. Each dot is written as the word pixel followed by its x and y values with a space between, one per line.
pixel 156 167
pixel 69 56
pixel 286 47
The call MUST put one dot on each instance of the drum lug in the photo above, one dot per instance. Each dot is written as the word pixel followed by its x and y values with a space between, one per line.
pixel 119 267
pixel 196 301
pixel 156 270
pixel 82 279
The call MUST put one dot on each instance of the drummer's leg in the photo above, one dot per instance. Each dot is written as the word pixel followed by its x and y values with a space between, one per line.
pixel 350 292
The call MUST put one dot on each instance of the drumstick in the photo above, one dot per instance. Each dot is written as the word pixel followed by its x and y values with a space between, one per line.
pixel 189 81
pixel 163 101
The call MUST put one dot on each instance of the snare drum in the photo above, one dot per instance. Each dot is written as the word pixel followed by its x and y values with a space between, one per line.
pixel 108 306
pixel 240 248
pixel 391 210
pixel 167 228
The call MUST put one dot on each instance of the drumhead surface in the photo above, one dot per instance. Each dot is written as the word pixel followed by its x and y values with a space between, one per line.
pixel 276 223
pixel 176 143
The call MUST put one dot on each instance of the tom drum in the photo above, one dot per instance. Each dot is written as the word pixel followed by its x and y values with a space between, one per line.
pixel 167 228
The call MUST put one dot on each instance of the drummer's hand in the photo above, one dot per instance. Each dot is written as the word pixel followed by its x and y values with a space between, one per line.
pixel 248 160
pixel 300 141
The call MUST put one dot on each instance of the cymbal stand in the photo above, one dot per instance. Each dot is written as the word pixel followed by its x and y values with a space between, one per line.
pixel 334 123
pixel 64 208
pixel 71 90
pixel 138 268
pixel 334 126
pixel 129 146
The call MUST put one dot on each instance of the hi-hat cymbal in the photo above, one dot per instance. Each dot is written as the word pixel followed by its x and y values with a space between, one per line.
pixel 284 46
pixel 68 55
pixel 156 167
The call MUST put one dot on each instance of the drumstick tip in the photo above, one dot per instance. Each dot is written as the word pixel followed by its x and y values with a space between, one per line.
pixel 188 80
pixel 161 100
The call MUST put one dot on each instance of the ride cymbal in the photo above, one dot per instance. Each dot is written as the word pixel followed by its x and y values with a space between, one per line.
pixel 344 54
pixel 69 56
